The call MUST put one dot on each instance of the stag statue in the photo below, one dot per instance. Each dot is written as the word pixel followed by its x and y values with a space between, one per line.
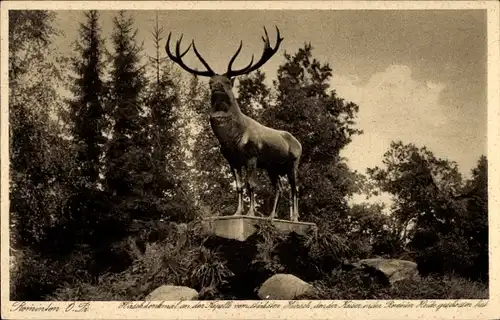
pixel 244 142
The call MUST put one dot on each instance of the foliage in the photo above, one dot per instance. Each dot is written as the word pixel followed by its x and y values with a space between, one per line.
pixel 343 285
pixel 475 226
pixel 87 106
pixel 31 33
pixel 40 163
pixel 324 124
pixel 179 259
pixel 36 277
pixel 208 270
pixel 308 257
pixel 128 162
pixel 421 183
pixel 59 202
pixel 86 122
pixel 182 259
pixel 324 243
pixel 447 287
pixel 379 230
pixel 166 190
pixel 438 216
pixel 268 240
pixel 253 94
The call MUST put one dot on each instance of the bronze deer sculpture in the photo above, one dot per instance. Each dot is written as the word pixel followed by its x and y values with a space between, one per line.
pixel 244 142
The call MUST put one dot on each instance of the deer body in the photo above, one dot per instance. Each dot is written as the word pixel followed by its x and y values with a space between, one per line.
pixel 238 133
pixel 244 142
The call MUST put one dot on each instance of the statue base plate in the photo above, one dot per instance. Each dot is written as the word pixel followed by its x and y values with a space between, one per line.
pixel 241 227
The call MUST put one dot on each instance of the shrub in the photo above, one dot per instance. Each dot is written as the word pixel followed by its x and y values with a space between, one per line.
pixel 447 287
pixel 309 256
pixel 349 285
pixel 267 239
pixel 209 271
pixel 326 249
pixel 35 277
pixel 184 257
pixel 179 259
pixel 104 290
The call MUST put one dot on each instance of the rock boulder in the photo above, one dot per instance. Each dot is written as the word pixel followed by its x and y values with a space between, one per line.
pixel 283 287
pixel 392 270
pixel 174 293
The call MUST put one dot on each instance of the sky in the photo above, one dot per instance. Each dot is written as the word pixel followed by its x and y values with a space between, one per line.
pixel 417 75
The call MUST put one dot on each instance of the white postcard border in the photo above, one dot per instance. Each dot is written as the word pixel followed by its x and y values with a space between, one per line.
pixel 112 310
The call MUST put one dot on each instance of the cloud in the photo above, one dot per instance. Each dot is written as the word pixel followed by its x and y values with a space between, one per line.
pixel 395 106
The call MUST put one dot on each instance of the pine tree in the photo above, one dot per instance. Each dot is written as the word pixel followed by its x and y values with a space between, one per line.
pixel 128 161
pixel 88 205
pixel 162 98
pixel 163 112
pixel 87 111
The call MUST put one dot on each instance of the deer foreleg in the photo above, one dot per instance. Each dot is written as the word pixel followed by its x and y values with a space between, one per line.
pixel 295 195
pixel 239 188
pixel 277 187
pixel 252 182
pixel 294 200
pixel 296 206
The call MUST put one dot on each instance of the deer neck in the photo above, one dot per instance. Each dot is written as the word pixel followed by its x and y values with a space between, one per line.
pixel 227 123
pixel 225 106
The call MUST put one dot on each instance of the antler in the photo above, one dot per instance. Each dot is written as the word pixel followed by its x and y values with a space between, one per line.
pixel 266 55
pixel 178 58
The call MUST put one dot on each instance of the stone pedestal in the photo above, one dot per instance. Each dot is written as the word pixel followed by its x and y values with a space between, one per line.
pixel 242 227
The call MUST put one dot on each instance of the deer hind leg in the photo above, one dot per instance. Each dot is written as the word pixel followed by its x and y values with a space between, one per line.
pixel 251 184
pixel 275 181
pixel 239 188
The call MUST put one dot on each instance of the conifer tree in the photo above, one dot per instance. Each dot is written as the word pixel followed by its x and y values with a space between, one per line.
pixel 87 111
pixel 162 96
pixel 128 163
pixel 87 208
pixel 163 111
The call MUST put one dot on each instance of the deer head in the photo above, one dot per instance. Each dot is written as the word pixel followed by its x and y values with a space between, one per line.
pixel 221 85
